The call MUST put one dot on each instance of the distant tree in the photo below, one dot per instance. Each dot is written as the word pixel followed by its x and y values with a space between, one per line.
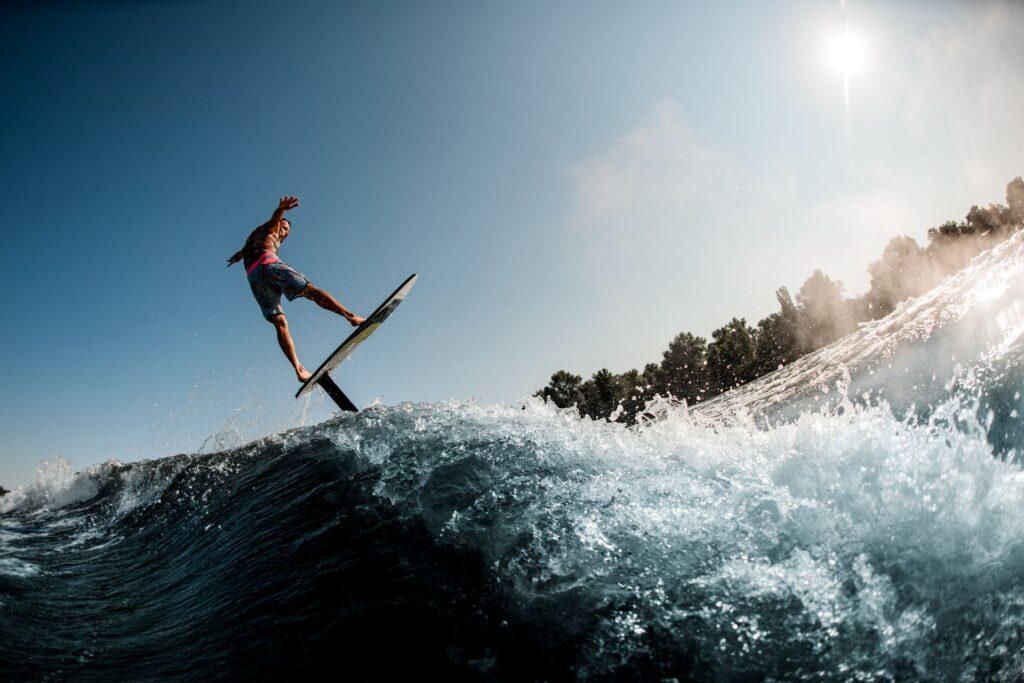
pixel 637 388
pixel 683 371
pixel 633 395
pixel 601 394
pixel 731 356
pixel 951 246
pixel 778 339
pixel 991 220
pixel 861 308
pixel 899 274
pixel 950 231
pixel 654 380
pixel 822 311
pixel 1015 201
pixel 564 390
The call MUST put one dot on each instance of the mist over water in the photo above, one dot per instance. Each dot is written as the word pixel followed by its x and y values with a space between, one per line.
pixel 858 515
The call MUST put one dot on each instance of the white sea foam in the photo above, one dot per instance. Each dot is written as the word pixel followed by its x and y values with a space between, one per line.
pixel 81 538
pixel 56 485
pixel 879 529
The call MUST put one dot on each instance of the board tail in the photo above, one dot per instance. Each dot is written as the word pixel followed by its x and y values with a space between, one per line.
pixel 336 394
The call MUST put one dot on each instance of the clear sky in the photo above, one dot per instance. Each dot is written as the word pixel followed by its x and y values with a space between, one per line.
pixel 576 182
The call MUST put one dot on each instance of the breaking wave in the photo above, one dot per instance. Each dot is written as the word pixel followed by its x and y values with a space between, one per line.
pixel 858 515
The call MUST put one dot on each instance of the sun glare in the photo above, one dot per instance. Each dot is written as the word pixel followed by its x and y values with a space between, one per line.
pixel 846 53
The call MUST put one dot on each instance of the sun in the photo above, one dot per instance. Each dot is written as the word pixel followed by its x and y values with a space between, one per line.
pixel 846 53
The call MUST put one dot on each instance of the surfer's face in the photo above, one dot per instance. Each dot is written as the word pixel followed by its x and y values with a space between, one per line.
pixel 286 227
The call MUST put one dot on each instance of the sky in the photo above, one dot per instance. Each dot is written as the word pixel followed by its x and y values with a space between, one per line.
pixel 575 182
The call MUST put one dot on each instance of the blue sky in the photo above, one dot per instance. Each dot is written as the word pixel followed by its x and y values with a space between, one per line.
pixel 575 181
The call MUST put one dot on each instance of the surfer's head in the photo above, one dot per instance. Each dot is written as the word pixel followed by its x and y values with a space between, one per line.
pixel 286 227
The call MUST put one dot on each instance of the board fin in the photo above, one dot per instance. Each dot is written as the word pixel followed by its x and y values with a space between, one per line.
pixel 336 394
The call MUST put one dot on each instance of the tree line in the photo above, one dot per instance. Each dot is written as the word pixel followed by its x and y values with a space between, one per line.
pixel 694 368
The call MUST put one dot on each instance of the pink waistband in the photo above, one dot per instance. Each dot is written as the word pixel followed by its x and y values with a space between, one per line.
pixel 266 257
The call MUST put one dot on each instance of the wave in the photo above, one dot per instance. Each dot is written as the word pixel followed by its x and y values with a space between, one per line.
pixel 858 515
pixel 56 485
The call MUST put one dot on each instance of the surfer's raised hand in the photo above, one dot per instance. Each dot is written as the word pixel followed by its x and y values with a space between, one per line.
pixel 287 202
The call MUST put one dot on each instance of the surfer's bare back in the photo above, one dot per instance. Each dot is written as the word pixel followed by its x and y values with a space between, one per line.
pixel 270 277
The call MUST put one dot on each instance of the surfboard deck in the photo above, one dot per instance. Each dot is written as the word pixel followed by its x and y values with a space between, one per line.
pixel 350 344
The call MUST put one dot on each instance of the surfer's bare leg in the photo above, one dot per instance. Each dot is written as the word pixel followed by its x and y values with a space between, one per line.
pixel 326 301
pixel 284 338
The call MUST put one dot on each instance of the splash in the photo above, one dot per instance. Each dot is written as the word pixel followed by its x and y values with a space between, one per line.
pixel 856 516
pixel 55 485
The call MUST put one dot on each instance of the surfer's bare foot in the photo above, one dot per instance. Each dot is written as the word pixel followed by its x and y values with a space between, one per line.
pixel 303 374
pixel 356 321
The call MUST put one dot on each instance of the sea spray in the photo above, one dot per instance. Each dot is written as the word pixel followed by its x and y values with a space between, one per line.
pixel 855 543
pixel 858 515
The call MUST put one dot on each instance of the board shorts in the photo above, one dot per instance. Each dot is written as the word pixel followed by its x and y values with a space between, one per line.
pixel 270 280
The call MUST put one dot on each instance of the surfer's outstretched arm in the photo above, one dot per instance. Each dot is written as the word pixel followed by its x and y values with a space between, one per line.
pixel 326 301
pixel 286 204
pixel 271 227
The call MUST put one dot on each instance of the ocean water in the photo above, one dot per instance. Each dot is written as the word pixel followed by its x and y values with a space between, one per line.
pixel 858 515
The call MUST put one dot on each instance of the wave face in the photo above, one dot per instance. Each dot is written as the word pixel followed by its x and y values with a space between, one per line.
pixel 858 515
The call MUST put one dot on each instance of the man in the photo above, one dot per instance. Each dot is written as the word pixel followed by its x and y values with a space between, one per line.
pixel 269 278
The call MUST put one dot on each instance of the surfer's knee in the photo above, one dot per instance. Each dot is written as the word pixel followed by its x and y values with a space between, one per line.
pixel 310 291
pixel 278 321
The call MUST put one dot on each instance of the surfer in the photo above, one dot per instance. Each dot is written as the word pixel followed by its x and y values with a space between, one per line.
pixel 270 277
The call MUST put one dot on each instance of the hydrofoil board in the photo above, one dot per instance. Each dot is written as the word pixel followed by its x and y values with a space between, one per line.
pixel 350 344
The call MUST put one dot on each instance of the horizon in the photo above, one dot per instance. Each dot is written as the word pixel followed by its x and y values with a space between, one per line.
pixel 575 184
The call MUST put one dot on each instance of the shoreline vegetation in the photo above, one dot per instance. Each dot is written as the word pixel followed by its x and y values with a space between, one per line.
pixel 694 369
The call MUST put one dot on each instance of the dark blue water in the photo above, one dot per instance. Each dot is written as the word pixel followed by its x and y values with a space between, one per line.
pixel 268 560
pixel 857 516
